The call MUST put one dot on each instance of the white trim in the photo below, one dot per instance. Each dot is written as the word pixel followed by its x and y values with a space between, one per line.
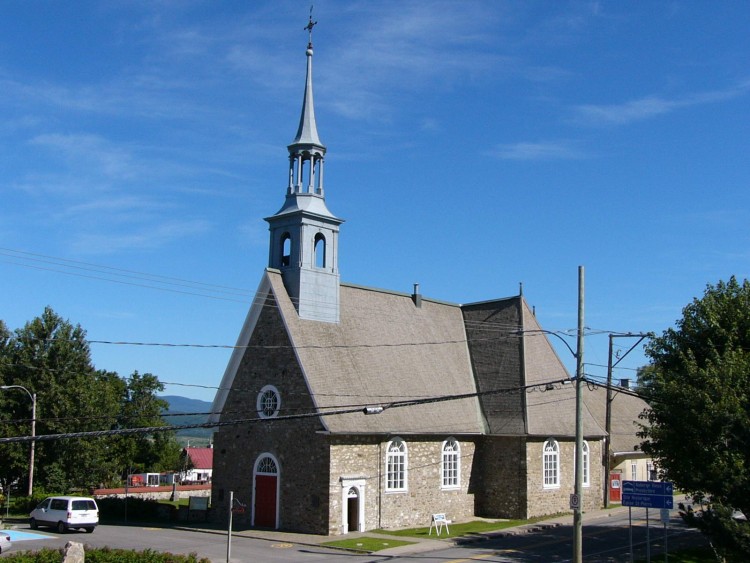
pixel 239 351
pixel 405 455
pixel 457 454
pixel 300 364
pixel 556 484
pixel 586 466
pixel 358 484
pixel 259 402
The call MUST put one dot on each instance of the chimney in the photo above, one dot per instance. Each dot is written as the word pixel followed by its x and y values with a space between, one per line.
pixel 416 296
pixel 625 383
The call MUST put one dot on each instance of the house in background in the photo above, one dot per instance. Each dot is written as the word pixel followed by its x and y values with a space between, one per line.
pixel 199 463
pixel 627 462
pixel 349 408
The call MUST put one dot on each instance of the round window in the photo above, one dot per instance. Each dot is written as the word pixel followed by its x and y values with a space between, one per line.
pixel 269 402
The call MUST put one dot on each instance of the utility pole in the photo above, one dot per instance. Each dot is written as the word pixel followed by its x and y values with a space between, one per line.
pixel 578 505
pixel 608 417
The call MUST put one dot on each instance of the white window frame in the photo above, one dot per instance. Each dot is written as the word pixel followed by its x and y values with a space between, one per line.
pixel 634 471
pixel 396 466
pixel 551 464
pixel 450 464
pixel 586 464
pixel 260 405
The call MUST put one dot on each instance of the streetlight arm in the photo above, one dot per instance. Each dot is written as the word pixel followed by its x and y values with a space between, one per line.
pixel 522 332
pixel 18 387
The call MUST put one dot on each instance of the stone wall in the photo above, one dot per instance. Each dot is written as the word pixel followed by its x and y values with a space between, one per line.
pixel 298 445
pixel 544 501
pixel 154 493
pixel 501 477
pixel 363 460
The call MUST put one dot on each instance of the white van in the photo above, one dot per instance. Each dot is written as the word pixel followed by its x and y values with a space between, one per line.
pixel 64 513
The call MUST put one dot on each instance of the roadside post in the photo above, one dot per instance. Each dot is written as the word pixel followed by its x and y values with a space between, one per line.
pixel 647 494
pixel 229 528
pixel 239 509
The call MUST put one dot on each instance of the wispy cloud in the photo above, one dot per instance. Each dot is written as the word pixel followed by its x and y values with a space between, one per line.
pixel 556 150
pixel 93 151
pixel 147 238
pixel 652 106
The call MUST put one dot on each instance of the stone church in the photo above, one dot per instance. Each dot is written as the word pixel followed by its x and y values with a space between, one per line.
pixel 359 408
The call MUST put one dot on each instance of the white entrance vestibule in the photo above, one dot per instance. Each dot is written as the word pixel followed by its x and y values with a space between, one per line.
pixel 352 504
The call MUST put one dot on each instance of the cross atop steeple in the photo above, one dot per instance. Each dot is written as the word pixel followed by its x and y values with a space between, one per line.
pixel 309 28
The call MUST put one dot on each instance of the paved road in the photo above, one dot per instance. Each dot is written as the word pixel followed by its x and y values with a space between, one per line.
pixel 606 539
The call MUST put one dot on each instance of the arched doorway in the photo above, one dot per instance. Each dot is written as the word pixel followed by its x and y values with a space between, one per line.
pixel 266 492
pixel 352 504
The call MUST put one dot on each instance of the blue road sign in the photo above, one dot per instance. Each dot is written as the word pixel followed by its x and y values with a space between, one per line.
pixel 647 501
pixel 663 488
pixel 648 494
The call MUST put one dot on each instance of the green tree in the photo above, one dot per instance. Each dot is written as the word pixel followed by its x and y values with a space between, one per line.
pixel 142 408
pixel 51 357
pixel 698 388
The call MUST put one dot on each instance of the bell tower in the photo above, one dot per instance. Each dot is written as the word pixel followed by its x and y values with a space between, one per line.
pixel 304 233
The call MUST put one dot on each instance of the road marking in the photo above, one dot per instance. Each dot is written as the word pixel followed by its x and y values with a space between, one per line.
pixel 282 545
pixel 16 535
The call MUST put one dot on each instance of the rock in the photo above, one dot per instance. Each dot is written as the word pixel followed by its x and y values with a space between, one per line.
pixel 74 553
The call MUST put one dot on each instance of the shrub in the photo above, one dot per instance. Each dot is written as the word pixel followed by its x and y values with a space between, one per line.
pixel 105 555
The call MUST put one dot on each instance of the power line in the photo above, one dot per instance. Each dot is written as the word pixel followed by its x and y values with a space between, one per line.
pixel 254 420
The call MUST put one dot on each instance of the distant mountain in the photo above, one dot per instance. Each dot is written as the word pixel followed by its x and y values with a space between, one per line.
pixel 184 408
pixel 179 404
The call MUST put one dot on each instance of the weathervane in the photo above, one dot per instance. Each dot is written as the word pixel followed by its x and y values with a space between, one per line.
pixel 310 25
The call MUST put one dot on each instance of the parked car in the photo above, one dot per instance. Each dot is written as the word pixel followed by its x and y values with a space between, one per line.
pixel 64 513
pixel 5 543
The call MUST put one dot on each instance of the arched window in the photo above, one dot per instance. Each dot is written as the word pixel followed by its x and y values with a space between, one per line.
pixel 551 464
pixel 450 467
pixel 268 402
pixel 286 249
pixel 320 251
pixel 586 465
pixel 266 465
pixel 395 466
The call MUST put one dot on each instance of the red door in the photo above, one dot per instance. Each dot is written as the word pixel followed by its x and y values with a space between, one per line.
pixel 615 489
pixel 265 501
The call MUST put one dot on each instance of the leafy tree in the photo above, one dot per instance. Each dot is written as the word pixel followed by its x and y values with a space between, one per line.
pixel 51 357
pixel 142 408
pixel 698 388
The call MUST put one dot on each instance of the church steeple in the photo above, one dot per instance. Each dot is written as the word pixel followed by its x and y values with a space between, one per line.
pixel 306 150
pixel 304 233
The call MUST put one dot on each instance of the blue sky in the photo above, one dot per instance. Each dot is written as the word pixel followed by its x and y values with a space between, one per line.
pixel 471 146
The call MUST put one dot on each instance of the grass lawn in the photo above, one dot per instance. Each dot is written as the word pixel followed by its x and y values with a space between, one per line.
pixel 366 543
pixel 462 529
